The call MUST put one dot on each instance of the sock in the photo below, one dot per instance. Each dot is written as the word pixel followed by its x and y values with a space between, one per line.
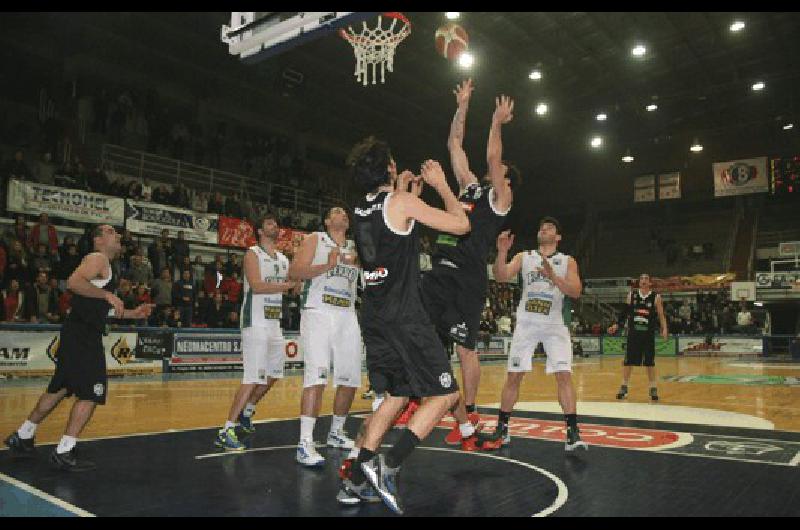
pixel 249 409
pixel 354 452
pixel 470 408
pixel 653 386
pixel 502 419
pixel 571 419
pixel 337 423
pixel 66 444
pixel 27 431
pixel 228 425
pixel 467 429
pixel 405 446
pixel 307 427
pixel 358 477
pixel 624 384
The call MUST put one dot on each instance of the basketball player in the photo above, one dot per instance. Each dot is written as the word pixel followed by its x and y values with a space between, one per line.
pixel 329 330
pixel 549 280
pixel 641 347
pixel 454 290
pixel 81 366
pixel 404 355
pixel 265 281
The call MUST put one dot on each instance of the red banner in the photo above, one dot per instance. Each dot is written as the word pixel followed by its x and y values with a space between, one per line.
pixel 289 240
pixel 236 232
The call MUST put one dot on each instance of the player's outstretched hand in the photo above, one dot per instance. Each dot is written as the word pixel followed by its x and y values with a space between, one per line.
pixel 504 110
pixel 433 174
pixel 505 240
pixel 463 92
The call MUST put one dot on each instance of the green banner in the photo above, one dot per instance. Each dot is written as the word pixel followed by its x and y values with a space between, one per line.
pixel 749 380
pixel 617 345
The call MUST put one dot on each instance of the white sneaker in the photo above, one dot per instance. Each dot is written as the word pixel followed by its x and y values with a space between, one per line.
pixel 307 454
pixel 340 440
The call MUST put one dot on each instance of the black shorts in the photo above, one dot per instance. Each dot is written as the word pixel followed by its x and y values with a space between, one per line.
pixel 641 349
pixel 454 300
pixel 81 364
pixel 407 360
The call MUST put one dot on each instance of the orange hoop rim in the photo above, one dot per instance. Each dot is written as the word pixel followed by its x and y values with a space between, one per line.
pixel 404 31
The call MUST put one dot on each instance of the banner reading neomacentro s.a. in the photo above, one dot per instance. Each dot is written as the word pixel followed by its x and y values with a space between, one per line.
pixel 76 205
pixel 149 218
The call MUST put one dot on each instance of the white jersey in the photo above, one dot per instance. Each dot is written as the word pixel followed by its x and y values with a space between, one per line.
pixel 261 310
pixel 541 301
pixel 336 289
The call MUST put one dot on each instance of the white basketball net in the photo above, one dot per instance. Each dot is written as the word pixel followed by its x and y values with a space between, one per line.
pixel 373 47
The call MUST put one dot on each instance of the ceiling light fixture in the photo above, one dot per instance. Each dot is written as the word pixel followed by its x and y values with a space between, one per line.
pixel 788 126
pixel 596 142
pixel 466 60
pixel 541 109
pixel 758 86
pixel 535 75
pixel 737 26
pixel 601 117
pixel 696 147
pixel 452 15
pixel 651 107
pixel 639 50
pixel 628 158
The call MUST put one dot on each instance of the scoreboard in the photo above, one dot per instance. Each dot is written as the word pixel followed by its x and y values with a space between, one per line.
pixel 785 175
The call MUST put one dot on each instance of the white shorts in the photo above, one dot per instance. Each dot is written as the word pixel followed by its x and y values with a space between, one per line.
pixel 331 336
pixel 554 338
pixel 262 354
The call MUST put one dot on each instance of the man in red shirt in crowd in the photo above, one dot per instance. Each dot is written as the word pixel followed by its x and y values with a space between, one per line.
pixel 232 287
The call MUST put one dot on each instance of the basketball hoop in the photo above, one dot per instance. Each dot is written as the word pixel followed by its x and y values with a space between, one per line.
pixel 376 46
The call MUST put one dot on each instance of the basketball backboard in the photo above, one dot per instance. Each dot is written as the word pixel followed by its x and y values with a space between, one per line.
pixel 255 36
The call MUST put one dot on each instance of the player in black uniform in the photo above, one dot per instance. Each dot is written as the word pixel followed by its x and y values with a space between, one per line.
pixel 640 315
pixel 404 355
pixel 81 366
pixel 454 290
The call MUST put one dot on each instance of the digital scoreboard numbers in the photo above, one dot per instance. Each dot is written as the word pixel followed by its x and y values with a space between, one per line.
pixel 785 175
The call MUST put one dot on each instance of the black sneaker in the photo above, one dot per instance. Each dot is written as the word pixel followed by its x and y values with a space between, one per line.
pixel 69 462
pixel 19 446
pixel 654 394
pixel 384 480
pixel 623 391
pixel 574 440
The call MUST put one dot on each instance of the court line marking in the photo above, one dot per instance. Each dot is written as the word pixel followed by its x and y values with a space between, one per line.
pixel 46 496
pixel 796 460
pixel 561 497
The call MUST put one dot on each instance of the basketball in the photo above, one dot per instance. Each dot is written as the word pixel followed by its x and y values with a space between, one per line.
pixel 451 41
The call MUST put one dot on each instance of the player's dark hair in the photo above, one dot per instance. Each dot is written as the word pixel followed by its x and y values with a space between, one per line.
pixel 369 162
pixel 265 217
pixel 553 221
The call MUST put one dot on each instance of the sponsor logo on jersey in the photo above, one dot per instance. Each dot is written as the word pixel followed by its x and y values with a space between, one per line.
pixel 376 277
pixel 99 389
pixel 446 380
pixel 365 212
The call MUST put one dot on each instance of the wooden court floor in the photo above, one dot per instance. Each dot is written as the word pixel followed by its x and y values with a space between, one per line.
pixel 762 391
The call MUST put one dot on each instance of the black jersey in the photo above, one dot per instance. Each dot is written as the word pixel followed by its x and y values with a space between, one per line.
pixel 91 312
pixel 643 312
pixel 472 249
pixel 390 261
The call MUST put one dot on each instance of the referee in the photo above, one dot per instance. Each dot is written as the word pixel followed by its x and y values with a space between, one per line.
pixel 640 315
pixel 81 366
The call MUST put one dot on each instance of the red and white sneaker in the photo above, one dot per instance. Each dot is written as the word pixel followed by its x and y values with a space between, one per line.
pixel 454 436
pixel 402 421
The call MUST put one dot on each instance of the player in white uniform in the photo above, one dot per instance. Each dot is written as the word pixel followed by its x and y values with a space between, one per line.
pixel 265 281
pixel 548 278
pixel 329 330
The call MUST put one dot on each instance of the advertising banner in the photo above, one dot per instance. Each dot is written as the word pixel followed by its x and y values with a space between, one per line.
pixel 150 218
pixel 235 232
pixel 727 345
pixel 76 205
pixel 739 177
pixel 37 352
pixel 218 351
pixel 289 240
pixel 644 188
pixel 669 186
pixel 154 344
pixel 588 344
pixel 618 345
